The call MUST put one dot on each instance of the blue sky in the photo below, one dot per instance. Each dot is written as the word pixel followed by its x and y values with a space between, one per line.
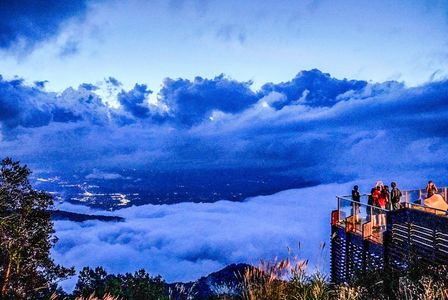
pixel 226 85
pixel 263 41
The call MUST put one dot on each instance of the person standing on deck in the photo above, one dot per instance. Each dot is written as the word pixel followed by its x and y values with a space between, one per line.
pixel 376 193
pixel 395 196
pixel 356 197
pixel 369 209
pixel 382 201
pixel 386 195
pixel 431 189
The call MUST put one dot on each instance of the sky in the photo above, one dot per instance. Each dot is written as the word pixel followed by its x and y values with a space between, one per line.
pixel 318 91
pixel 263 41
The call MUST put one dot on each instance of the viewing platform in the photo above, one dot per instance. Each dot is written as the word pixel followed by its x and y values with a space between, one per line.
pixel 414 231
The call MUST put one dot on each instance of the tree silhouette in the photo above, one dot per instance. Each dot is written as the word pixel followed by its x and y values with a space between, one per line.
pixel 137 286
pixel 26 237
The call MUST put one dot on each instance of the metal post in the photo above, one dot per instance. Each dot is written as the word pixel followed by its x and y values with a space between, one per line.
pixel 339 209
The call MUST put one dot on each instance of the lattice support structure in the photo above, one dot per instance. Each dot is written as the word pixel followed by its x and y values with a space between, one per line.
pixel 415 235
pixel 352 255
pixel 411 235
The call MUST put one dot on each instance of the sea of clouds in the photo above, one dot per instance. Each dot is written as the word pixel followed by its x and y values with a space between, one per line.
pixel 185 241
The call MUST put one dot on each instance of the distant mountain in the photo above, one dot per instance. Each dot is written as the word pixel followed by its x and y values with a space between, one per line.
pixel 226 281
pixel 76 217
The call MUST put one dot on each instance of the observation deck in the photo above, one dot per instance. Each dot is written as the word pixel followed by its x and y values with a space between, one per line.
pixel 414 232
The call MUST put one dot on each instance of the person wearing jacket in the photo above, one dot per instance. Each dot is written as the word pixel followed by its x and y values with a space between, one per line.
pixel 356 197
pixel 376 192
pixel 381 201
pixel 371 202
pixel 395 196
pixel 385 193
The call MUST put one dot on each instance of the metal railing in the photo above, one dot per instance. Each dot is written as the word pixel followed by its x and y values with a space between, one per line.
pixel 369 220
pixel 411 196
pixel 359 217
pixel 422 207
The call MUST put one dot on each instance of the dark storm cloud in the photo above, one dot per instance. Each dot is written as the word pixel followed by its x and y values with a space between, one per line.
pixel 339 130
pixel 312 88
pixel 20 105
pixel 28 106
pixel 135 100
pixel 26 22
pixel 191 102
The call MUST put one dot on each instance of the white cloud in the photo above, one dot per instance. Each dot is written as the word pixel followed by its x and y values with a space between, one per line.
pixel 185 241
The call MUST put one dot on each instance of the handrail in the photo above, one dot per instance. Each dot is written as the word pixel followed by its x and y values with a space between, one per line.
pixel 385 209
pixel 363 218
pixel 361 204
pixel 441 191
pixel 360 218
pixel 343 216
pixel 427 207
pixel 350 197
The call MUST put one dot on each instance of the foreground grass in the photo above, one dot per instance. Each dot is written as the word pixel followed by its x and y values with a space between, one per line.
pixel 279 279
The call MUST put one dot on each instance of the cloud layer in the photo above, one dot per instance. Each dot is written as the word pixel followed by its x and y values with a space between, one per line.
pixel 25 23
pixel 185 241
pixel 314 128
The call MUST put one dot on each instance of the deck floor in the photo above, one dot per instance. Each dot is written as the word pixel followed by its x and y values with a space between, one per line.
pixel 377 233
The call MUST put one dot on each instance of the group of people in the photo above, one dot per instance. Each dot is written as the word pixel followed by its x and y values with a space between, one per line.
pixel 380 196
